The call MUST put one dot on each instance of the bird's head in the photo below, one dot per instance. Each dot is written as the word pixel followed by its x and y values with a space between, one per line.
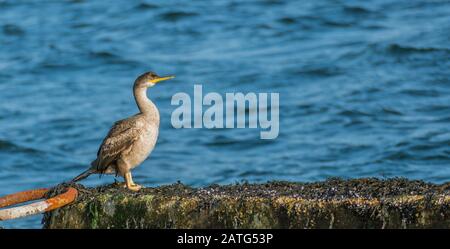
pixel 149 79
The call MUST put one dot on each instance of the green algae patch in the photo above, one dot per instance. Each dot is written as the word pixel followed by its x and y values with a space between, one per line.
pixel 335 203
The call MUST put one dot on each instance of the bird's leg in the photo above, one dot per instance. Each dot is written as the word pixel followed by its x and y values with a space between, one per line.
pixel 129 182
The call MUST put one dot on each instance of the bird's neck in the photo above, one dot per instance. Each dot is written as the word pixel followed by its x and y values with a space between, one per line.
pixel 145 105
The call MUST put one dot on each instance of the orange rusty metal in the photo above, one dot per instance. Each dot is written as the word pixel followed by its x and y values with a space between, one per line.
pixel 34 208
pixel 61 200
pixel 23 196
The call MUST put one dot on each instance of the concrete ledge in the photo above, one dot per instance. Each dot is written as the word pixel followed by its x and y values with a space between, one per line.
pixel 336 203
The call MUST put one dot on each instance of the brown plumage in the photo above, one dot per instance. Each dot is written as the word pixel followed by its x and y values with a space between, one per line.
pixel 120 139
pixel 131 140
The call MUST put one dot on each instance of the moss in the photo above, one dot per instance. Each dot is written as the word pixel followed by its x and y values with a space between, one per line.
pixel 336 203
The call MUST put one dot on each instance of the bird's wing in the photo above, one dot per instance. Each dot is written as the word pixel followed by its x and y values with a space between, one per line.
pixel 119 139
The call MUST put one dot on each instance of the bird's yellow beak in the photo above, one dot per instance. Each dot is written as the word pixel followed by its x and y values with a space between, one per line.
pixel 162 78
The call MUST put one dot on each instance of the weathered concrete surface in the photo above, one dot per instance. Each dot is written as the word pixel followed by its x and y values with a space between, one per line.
pixel 359 203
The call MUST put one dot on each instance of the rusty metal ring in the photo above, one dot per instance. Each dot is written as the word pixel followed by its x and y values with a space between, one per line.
pixel 34 208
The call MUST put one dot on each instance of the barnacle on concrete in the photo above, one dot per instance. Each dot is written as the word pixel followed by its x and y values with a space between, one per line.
pixel 335 203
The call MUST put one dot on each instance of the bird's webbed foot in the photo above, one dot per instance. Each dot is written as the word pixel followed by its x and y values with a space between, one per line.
pixel 130 184
pixel 134 187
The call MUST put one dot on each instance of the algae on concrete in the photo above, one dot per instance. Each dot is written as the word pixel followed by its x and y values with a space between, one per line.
pixel 336 203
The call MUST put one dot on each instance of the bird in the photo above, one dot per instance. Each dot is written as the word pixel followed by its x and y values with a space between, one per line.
pixel 129 141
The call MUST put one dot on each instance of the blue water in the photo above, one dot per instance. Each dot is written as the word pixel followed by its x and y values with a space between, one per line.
pixel 364 88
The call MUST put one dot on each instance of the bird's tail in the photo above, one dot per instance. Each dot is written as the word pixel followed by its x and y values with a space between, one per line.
pixel 83 175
